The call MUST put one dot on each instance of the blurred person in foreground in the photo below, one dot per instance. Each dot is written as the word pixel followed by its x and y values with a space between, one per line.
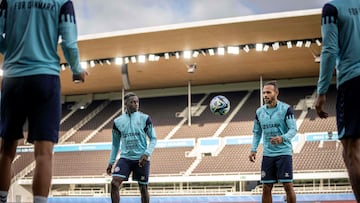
pixel 29 35
pixel 340 28
pixel 275 124
pixel 129 134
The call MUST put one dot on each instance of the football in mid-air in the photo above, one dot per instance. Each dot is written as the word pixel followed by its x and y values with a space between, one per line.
pixel 219 105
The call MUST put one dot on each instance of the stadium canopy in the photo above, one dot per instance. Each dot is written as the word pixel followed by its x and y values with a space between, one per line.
pixel 229 50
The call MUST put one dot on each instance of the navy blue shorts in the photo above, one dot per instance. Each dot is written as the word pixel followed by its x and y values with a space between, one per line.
pixel 36 99
pixel 277 169
pixel 124 167
pixel 348 109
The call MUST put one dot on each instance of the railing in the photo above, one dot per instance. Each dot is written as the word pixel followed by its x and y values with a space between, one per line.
pixel 202 189
pixel 154 191
pixel 249 173
pixel 207 190
pixel 80 192
pixel 200 174
pixel 198 190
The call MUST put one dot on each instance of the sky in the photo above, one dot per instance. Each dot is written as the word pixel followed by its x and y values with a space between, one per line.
pixel 102 16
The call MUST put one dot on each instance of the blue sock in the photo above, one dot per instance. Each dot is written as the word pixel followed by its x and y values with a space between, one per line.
pixel 40 199
pixel 3 196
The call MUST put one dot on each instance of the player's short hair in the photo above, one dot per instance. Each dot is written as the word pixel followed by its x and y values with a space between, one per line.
pixel 273 83
pixel 128 95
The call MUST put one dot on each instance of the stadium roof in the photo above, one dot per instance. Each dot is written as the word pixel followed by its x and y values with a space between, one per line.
pixel 155 42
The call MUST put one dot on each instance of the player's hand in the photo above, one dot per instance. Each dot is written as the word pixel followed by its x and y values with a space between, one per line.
pixel 252 156
pixel 276 140
pixel 143 160
pixel 319 104
pixel 80 78
pixel 108 169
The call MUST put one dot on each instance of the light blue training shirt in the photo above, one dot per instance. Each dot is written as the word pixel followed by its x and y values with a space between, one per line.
pixel 130 133
pixel 29 36
pixel 271 122
pixel 340 28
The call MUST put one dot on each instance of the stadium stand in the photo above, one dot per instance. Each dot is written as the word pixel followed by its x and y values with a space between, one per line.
pixel 94 123
pixel 312 123
pixel 163 111
pixel 76 118
pixel 320 153
pixel 23 160
pixel 232 159
pixel 170 160
pixel 80 163
pixel 242 122
pixel 206 124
